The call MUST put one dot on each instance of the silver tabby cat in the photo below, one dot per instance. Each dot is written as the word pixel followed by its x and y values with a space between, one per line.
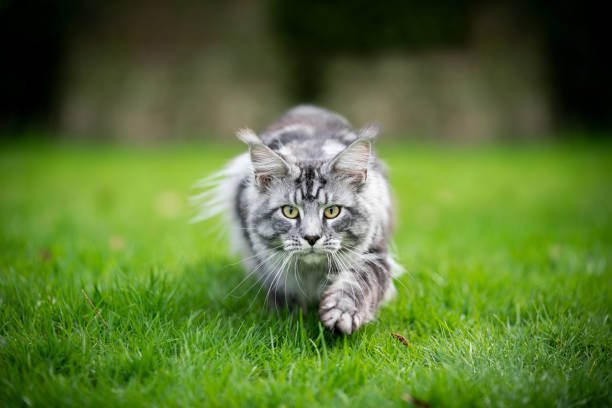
pixel 310 212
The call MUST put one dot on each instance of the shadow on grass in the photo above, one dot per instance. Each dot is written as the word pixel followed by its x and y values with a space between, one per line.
pixel 213 297
pixel 223 289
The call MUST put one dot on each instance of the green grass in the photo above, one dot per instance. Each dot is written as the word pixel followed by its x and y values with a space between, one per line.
pixel 505 302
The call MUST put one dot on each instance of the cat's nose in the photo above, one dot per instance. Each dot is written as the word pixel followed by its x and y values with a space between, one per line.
pixel 312 239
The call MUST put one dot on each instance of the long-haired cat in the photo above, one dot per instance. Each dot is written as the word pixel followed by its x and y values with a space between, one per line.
pixel 309 210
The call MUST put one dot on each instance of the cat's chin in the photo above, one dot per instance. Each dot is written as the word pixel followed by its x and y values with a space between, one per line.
pixel 313 257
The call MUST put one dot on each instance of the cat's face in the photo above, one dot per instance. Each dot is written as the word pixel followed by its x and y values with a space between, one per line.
pixel 311 209
pixel 311 217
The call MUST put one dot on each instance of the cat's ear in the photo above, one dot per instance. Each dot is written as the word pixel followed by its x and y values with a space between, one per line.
pixel 352 163
pixel 267 164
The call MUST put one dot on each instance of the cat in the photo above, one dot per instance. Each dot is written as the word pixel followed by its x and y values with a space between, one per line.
pixel 309 210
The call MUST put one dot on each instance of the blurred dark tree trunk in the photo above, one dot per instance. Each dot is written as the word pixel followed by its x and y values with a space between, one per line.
pixel 32 35
pixel 578 39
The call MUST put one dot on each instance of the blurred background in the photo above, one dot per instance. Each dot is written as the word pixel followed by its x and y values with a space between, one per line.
pixel 456 70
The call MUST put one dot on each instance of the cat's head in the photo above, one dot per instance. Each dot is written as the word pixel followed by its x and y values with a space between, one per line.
pixel 310 207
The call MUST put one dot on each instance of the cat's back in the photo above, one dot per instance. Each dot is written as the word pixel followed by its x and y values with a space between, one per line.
pixel 308 132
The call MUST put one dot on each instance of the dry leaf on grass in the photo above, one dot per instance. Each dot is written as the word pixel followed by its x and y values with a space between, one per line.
pixel 400 338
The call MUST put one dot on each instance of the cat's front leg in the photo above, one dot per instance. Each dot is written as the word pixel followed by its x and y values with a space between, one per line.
pixel 353 297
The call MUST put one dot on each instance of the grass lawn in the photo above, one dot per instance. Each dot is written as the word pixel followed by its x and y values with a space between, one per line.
pixel 108 296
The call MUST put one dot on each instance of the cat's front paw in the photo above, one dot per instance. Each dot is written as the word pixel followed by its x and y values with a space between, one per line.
pixel 339 312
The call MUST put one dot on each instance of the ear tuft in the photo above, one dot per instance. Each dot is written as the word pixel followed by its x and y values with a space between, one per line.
pixel 352 162
pixel 247 136
pixel 369 132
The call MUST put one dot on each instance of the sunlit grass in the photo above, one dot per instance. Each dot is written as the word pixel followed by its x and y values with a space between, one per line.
pixel 109 296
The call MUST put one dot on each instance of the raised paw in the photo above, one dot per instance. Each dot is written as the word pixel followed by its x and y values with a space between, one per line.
pixel 339 312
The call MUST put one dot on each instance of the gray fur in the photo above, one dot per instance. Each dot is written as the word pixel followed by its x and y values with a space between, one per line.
pixel 310 158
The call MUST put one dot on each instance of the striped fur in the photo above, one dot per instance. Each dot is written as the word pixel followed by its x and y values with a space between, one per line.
pixel 310 159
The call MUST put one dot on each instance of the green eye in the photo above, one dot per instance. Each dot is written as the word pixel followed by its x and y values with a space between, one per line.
pixel 290 211
pixel 331 212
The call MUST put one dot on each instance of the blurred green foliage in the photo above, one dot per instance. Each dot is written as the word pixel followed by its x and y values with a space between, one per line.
pixel 34 36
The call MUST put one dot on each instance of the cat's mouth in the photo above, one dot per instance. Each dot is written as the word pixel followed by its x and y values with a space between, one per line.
pixel 313 250
pixel 308 251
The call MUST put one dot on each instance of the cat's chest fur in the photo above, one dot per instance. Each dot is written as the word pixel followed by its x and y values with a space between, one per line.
pixel 309 279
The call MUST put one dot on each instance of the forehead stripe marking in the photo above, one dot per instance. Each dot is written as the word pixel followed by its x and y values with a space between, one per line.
pixel 309 183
